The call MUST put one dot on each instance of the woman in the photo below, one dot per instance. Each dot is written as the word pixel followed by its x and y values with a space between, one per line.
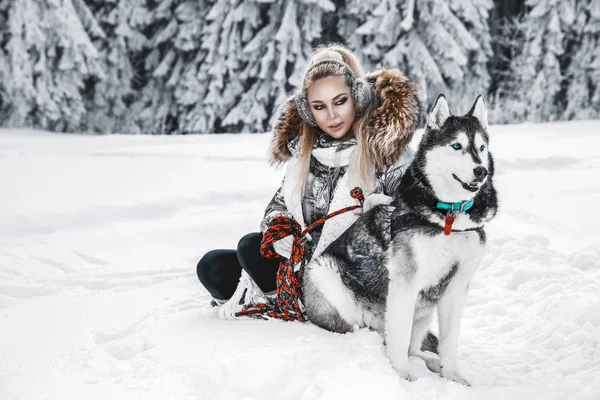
pixel 342 129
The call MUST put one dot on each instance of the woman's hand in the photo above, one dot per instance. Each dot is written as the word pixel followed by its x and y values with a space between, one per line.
pixel 376 199
pixel 283 247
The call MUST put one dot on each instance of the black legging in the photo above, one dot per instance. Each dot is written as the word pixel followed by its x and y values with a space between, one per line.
pixel 220 270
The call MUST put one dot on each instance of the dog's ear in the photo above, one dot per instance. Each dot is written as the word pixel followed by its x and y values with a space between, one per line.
pixel 439 113
pixel 479 111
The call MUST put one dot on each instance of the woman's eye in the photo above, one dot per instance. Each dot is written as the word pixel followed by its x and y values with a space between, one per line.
pixel 318 107
pixel 341 101
pixel 457 146
pixel 482 147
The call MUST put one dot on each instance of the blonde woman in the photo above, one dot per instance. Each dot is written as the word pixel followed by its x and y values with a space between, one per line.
pixel 341 129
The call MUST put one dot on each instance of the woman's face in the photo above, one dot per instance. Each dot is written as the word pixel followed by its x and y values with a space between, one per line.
pixel 332 106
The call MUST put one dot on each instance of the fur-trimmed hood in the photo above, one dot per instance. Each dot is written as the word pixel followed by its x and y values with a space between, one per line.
pixel 391 125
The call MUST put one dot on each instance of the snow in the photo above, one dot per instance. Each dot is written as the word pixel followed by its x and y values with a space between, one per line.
pixel 99 237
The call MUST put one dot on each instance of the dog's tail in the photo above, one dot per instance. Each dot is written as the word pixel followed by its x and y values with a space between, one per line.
pixel 430 343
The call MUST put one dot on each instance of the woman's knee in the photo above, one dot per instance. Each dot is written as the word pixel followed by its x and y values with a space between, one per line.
pixel 249 241
pixel 206 265
pixel 219 272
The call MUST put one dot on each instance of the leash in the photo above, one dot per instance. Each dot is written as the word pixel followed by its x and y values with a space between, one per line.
pixel 288 305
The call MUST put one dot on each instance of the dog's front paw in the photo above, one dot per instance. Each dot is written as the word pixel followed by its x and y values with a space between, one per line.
pixel 411 371
pixel 455 377
pixel 405 373
pixel 432 361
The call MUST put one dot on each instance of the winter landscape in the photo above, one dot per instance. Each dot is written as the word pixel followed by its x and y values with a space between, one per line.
pixel 101 227
pixel 99 237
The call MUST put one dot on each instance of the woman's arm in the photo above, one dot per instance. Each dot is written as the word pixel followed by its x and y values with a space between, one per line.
pixel 275 208
pixel 389 180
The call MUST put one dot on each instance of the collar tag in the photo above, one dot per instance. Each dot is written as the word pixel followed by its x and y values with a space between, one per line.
pixel 448 223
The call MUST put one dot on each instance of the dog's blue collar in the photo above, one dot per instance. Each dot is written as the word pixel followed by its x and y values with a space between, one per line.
pixel 460 206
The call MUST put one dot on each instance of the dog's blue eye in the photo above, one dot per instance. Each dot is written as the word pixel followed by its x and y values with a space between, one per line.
pixel 456 146
pixel 482 147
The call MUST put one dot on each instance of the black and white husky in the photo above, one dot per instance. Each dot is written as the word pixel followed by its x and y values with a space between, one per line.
pixel 400 262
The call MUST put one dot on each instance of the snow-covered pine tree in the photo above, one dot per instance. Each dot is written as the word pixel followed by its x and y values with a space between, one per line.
pixel 171 82
pixel 366 15
pixel 442 45
pixel 229 25
pixel 535 88
pixel 474 14
pixel 119 42
pixel 4 37
pixel 507 38
pixel 583 74
pixel 46 60
pixel 174 83
pixel 257 52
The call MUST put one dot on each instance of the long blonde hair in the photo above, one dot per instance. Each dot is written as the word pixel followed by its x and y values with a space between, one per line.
pixel 361 169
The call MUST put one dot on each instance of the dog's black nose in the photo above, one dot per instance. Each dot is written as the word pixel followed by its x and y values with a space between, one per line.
pixel 480 173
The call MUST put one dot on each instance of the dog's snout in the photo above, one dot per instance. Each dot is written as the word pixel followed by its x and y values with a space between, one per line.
pixel 480 172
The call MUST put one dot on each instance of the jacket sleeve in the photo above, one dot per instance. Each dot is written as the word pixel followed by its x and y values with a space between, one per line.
pixel 276 207
pixel 388 181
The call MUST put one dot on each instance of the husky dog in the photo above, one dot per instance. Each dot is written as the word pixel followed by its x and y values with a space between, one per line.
pixel 399 262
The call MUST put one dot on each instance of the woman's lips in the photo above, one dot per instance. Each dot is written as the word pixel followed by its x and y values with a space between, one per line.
pixel 336 127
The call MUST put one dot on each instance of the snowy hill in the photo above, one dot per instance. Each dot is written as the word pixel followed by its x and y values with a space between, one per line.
pixel 99 237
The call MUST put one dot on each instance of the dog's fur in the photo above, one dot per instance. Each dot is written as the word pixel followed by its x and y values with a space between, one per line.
pixel 395 265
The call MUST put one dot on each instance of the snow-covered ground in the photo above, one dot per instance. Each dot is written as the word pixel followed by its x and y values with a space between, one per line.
pixel 99 238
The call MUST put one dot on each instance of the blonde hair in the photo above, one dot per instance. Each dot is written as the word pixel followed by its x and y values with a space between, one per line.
pixel 361 169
